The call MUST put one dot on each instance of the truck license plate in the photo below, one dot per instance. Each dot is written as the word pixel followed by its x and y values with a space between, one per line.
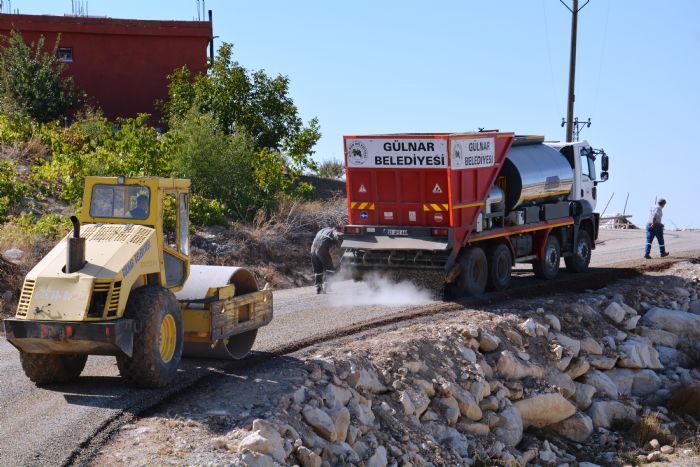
pixel 396 232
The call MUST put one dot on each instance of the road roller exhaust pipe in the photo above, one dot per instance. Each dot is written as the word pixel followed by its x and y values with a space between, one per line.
pixel 75 253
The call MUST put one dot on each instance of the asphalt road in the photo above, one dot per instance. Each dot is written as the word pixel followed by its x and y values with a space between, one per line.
pixel 47 426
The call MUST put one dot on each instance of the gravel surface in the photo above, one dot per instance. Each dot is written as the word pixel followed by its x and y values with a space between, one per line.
pixel 48 426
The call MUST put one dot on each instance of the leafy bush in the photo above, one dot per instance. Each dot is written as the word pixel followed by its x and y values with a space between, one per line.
pixel 51 226
pixel 94 146
pixel 15 126
pixel 12 189
pixel 31 79
pixel 227 167
pixel 205 211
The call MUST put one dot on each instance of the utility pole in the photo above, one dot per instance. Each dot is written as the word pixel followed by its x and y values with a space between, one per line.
pixel 572 68
pixel 211 40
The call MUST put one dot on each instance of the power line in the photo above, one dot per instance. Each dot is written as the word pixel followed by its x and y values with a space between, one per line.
pixel 552 81
pixel 602 56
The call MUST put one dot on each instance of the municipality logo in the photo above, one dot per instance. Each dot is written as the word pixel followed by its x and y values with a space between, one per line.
pixel 457 155
pixel 357 153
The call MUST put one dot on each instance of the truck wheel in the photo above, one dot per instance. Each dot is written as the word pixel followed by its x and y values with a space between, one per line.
pixel 581 258
pixel 472 280
pixel 548 267
pixel 52 368
pixel 158 337
pixel 500 265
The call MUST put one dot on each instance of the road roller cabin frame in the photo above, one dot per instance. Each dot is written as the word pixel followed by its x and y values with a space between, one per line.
pixel 453 206
pixel 122 284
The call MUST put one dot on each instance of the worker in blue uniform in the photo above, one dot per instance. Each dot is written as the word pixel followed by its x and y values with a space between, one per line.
pixel 655 229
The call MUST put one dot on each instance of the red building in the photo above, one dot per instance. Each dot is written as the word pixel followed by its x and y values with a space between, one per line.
pixel 122 64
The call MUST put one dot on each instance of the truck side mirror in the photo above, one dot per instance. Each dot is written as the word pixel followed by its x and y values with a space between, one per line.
pixel 604 163
pixel 603 176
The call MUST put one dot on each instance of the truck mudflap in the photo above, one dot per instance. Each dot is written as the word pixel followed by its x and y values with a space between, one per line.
pixel 63 337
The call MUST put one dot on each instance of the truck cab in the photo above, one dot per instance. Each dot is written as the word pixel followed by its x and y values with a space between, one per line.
pixel 582 157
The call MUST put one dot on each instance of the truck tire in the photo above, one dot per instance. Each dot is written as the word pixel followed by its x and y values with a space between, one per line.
pixel 158 337
pixel 581 257
pixel 548 267
pixel 500 266
pixel 52 368
pixel 472 281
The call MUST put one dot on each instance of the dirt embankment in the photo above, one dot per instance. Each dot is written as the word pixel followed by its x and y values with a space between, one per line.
pixel 607 377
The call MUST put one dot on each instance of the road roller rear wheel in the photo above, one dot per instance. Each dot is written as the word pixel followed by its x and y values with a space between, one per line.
pixel 548 266
pixel 472 281
pixel 158 337
pixel 50 368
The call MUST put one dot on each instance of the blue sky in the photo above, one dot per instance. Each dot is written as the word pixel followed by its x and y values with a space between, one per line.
pixel 404 66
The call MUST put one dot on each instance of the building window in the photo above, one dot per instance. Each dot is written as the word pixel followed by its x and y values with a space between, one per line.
pixel 65 54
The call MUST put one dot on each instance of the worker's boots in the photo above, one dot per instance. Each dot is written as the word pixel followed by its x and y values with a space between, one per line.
pixel 664 254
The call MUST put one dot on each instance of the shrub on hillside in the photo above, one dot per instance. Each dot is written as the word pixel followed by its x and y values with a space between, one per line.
pixel 94 146
pixel 12 189
pixel 31 79
pixel 228 167
pixel 333 168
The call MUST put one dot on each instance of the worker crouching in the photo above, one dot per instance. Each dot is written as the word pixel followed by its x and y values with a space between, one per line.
pixel 326 242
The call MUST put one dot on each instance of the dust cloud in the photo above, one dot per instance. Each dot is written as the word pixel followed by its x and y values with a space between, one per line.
pixel 377 290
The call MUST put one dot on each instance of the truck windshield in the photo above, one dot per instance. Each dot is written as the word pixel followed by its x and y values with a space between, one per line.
pixel 120 201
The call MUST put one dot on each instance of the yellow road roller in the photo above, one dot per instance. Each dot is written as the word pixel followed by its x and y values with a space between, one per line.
pixel 121 284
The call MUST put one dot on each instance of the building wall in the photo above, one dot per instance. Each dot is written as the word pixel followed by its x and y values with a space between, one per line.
pixel 121 64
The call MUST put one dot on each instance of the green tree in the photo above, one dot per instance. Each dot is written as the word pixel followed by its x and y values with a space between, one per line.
pixel 227 167
pixel 31 80
pixel 248 102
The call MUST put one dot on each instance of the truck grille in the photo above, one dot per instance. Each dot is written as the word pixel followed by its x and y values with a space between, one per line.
pixel 25 297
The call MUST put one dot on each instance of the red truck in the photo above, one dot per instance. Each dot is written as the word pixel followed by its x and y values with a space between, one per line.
pixel 465 207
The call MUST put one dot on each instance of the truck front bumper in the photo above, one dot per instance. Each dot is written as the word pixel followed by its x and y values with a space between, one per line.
pixel 60 337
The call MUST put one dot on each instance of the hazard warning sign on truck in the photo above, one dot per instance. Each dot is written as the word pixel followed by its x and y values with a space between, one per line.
pixel 413 153
pixel 472 153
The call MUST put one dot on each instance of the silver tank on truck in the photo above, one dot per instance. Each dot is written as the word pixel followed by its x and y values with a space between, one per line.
pixel 535 173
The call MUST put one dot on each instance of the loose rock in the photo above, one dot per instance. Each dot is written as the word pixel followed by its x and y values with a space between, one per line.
pixel 602 383
pixel 678 322
pixel 320 421
pixel 511 367
pixel 544 409
pixel 604 413
pixel 488 342
pixel 577 428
